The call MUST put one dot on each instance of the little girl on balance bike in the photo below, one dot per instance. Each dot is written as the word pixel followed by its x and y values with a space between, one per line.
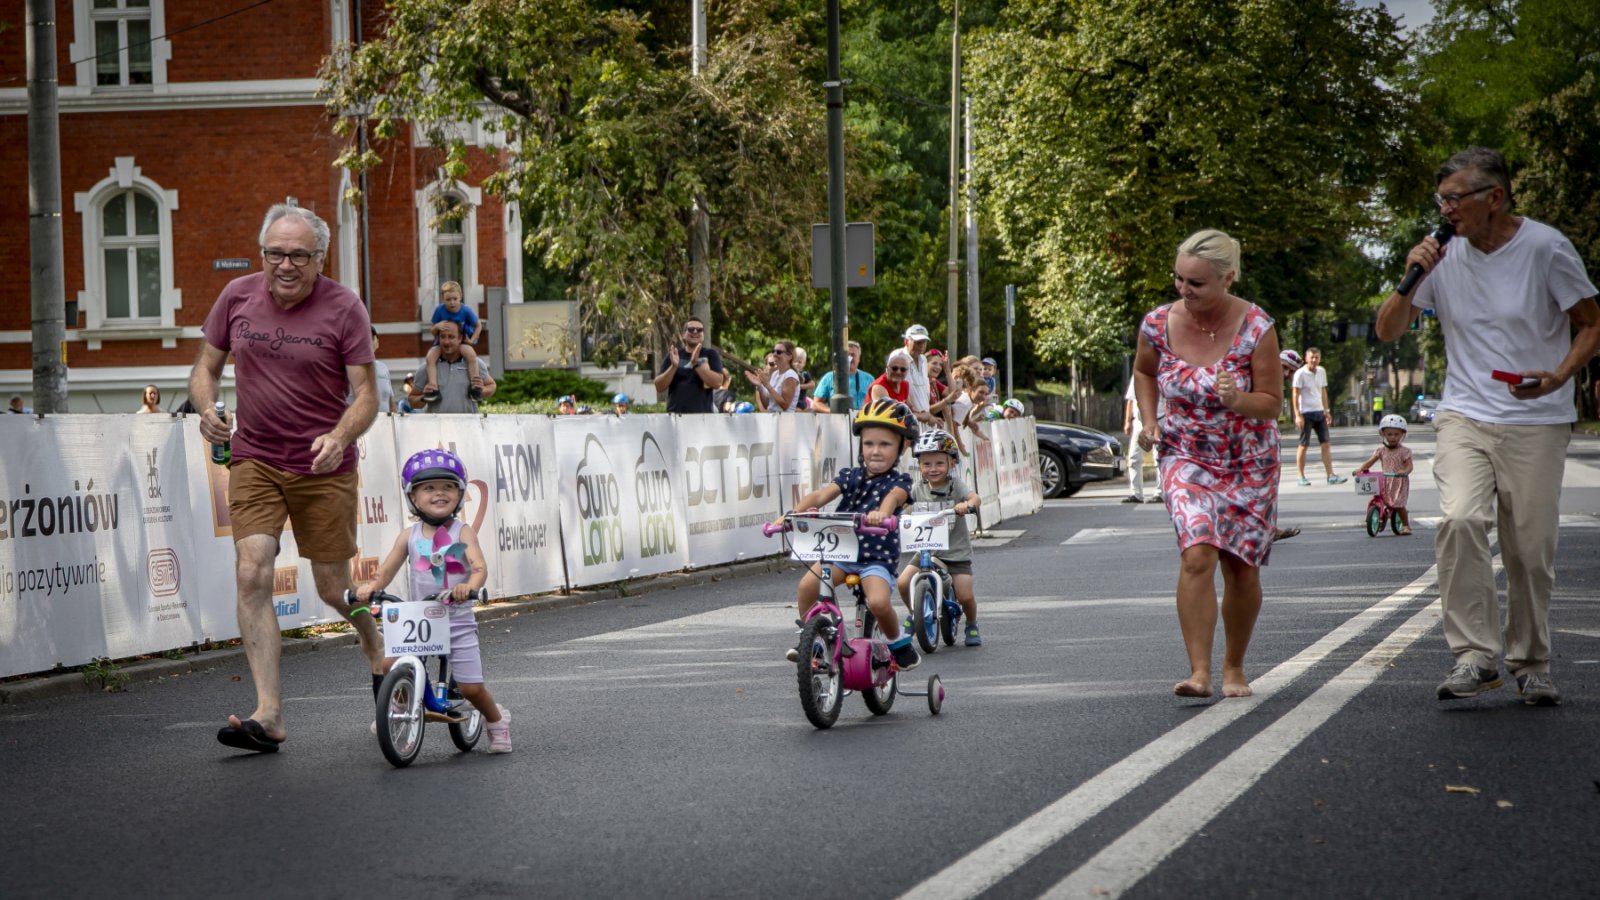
pixel 442 552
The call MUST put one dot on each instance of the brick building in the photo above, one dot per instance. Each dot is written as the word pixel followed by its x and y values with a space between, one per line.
pixel 171 151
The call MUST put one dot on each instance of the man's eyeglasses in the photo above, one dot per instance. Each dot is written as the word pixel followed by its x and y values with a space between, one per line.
pixel 780 351
pixel 1451 201
pixel 693 329
pixel 901 369
pixel 297 258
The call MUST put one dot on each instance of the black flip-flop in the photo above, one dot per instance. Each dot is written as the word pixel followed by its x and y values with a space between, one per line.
pixel 248 736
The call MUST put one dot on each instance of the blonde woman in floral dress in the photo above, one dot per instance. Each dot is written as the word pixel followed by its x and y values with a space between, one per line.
pixel 1214 359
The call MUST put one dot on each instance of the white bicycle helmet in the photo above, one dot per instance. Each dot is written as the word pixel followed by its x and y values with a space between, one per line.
pixel 1392 421
pixel 935 440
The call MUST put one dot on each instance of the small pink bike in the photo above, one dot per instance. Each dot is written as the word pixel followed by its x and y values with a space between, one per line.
pixel 830 664
pixel 1379 512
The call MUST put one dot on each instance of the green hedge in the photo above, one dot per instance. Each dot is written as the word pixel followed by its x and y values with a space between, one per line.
pixel 524 385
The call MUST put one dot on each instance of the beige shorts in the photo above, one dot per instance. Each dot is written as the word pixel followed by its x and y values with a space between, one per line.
pixel 320 508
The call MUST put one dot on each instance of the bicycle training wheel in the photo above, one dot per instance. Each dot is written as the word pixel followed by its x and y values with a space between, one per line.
pixel 880 697
pixel 821 693
pixel 1374 520
pixel 399 717
pixel 925 616
pixel 465 733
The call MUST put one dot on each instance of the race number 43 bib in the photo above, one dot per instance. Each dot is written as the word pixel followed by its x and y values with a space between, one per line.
pixel 925 531
pixel 418 629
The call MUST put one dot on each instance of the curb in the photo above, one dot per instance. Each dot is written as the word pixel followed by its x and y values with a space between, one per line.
pixel 50 687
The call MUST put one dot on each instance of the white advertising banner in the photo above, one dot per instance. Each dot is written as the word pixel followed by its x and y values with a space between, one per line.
pixel 381 513
pixel 812 448
pixel 985 480
pixel 622 512
pixel 81 574
pixel 525 527
pixel 730 485
pixel 463 435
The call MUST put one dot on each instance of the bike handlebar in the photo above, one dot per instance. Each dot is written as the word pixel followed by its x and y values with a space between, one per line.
pixel 768 529
pixel 481 595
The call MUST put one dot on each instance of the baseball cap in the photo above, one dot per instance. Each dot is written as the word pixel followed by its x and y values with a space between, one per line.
pixel 1291 357
pixel 916 333
pixel 989 361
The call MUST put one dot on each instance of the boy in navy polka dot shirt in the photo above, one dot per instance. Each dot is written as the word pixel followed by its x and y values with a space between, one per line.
pixel 885 429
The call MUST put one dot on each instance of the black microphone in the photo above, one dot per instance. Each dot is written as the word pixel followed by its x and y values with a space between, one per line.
pixel 1442 234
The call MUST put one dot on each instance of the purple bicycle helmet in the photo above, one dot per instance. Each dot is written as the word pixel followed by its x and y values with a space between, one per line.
pixel 433 465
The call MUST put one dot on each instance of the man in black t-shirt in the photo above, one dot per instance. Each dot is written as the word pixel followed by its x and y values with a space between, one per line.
pixel 690 372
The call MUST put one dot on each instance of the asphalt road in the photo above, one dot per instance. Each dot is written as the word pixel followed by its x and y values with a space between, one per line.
pixel 661 750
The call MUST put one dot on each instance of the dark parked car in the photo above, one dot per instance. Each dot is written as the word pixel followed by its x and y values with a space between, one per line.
pixel 1071 456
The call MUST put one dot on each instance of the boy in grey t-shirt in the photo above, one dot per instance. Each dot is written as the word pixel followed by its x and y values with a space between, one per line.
pixel 937 455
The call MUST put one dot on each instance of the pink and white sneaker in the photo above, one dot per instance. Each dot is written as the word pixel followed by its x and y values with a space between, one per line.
pixel 500 732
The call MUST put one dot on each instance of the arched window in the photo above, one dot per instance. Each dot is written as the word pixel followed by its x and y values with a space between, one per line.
pixel 128 289
pixel 447 246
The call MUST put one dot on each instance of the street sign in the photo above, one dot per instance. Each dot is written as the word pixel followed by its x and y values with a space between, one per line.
pixel 860 267
pixel 224 265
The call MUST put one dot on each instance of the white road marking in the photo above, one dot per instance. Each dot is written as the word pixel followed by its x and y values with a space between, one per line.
pixel 1104 535
pixel 997 537
pixel 1131 857
pixel 999 857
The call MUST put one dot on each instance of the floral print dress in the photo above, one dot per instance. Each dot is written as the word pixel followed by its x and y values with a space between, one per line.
pixel 1219 470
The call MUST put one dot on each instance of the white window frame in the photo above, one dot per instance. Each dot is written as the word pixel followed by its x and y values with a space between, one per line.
pixel 83 49
pixel 90 206
pixel 428 247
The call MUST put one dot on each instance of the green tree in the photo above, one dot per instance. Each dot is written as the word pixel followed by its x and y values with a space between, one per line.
pixel 1117 127
pixel 606 139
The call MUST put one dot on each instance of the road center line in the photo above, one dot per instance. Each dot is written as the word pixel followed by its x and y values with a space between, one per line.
pixel 1131 857
pixel 996 859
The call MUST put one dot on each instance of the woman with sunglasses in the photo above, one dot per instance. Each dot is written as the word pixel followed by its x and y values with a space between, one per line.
pixel 780 392
pixel 892 384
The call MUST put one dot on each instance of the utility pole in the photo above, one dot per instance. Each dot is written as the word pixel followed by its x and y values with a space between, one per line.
pixel 955 179
pixel 700 220
pixel 44 213
pixel 974 344
pixel 840 401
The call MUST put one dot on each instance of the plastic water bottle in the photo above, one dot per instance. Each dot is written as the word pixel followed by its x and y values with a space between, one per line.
pixel 223 452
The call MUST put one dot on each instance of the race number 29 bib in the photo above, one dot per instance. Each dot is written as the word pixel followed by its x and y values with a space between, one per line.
pixel 418 629
pixel 813 541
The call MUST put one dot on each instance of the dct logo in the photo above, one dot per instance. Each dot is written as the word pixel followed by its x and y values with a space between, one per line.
pixel 706 472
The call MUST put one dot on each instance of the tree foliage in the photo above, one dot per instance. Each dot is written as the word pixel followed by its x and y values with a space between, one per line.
pixel 1118 127
pixel 606 140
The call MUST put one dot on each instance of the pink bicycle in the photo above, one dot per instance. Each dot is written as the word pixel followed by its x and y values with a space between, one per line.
pixel 830 664
pixel 1379 512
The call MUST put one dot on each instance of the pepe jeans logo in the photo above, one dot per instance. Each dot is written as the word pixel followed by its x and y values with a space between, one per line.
pixel 273 340
pixel 652 488
pixel 599 506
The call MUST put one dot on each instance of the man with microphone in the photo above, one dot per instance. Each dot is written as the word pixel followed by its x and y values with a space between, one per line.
pixel 1508 292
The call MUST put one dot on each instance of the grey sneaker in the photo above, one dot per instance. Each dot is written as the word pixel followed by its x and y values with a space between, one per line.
pixel 792 654
pixel 1337 479
pixel 906 656
pixel 1467 680
pixel 1537 689
pixel 974 639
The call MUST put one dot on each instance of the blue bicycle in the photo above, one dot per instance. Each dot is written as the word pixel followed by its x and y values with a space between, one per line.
pixel 407 698
pixel 935 614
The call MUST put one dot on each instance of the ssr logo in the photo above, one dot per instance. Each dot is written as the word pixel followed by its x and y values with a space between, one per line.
pixel 652 488
pixel 164 574
pixel 599 506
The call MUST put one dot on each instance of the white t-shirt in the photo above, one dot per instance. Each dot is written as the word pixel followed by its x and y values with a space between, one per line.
pixel 1310 385
pixel 917 377
pixel 1506 310
pixel 1132 396
pixel 775 382
pixel 960 406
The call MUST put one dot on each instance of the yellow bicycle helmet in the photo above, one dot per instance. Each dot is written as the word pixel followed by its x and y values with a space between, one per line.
pixel 884 413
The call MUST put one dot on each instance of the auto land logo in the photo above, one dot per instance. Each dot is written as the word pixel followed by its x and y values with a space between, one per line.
pixel 599 506
pixel 652 490
pixel 165 575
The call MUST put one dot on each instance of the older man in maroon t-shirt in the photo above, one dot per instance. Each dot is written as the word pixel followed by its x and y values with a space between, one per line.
pixel 300 343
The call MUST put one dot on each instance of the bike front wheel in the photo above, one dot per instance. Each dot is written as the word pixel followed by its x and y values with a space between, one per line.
pixel 399 714
pixel 1374 520
pixel 821 687
pixel 925 615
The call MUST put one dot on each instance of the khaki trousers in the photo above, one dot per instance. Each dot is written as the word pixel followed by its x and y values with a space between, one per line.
pixel 1508 476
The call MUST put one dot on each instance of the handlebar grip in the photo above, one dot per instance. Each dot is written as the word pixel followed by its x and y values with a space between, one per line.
pixel 887 527
pixel 768 529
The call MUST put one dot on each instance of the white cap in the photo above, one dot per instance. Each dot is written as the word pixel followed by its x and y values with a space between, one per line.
pixel 916 333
